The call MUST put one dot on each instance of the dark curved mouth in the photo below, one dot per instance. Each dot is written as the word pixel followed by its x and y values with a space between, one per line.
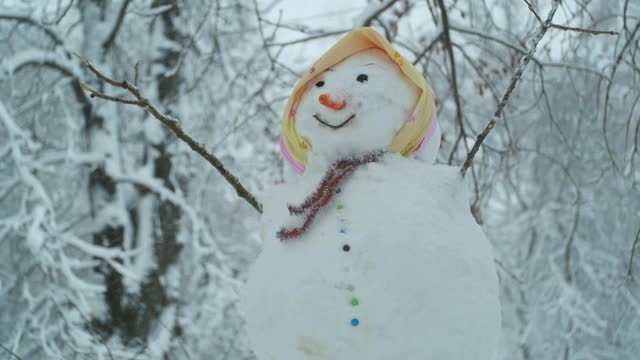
pixel 335 127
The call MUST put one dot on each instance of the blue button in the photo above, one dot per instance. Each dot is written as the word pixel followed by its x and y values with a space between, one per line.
pixel 343 231
pixel 355 322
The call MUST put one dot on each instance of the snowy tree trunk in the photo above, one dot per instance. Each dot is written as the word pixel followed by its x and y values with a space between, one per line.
pixel 165 217
pixel 102 138
pixel 150 223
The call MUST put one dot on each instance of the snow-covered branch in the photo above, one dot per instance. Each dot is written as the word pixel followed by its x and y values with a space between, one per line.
pixel 497 114
pixel 22 18
pixel 173 124
pixel 570 28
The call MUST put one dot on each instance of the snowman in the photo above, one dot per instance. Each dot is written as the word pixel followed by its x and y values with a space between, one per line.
pixel 371 252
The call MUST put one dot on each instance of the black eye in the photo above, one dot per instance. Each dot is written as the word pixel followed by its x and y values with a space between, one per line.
pixel 362 78
pixel 320 84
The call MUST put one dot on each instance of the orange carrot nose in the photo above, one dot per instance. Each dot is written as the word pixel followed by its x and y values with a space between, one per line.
pixel 333 101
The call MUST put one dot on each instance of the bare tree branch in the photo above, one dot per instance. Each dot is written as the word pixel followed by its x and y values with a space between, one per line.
pixel 262 35
pixel 86 319
pixel 428 48
pixel 309 38
pixel 10 352
pixel 608 92
pixel 108 43
pixel 173 125
pixel 454 79
pixel 571 28
pixel 28 20
pixel 633 251
pixel 64 12
pixel 94 93
pixel 380 10
pixel 489 37
pixel 512 85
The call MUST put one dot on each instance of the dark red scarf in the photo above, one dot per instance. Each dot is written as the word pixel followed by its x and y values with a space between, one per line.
pixel 335 176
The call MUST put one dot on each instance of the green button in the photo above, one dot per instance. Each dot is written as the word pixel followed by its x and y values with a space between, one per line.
pixel 354 302
pixel 340 206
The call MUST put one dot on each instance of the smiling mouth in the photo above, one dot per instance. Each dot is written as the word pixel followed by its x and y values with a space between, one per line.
pixel 335 127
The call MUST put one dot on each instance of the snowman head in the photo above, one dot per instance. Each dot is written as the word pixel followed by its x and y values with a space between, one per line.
pixel 356 106
pixel 360 96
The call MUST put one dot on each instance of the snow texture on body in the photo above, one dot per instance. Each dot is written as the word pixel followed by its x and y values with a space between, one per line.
pixel 394 267
pixel 418 275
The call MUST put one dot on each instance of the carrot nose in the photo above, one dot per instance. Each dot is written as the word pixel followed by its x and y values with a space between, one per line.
pixel 333 101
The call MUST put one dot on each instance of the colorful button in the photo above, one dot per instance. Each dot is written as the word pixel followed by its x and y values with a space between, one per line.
pixel 355 322
pixel 343 231
pixel 354 302
pixel 340 206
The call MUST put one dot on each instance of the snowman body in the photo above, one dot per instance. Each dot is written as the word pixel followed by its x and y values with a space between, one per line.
pixel 394 267
pixel 417 282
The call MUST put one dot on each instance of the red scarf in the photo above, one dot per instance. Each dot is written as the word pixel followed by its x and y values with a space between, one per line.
pixel 336 174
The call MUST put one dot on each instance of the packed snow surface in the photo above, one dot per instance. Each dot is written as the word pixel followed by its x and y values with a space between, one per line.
pixel 417 282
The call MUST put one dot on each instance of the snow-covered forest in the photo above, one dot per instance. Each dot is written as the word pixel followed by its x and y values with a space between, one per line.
pixel 119 241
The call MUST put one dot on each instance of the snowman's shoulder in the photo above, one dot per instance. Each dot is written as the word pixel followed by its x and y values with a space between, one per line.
pixel 396 163
pixel 403 180
pixel 412 172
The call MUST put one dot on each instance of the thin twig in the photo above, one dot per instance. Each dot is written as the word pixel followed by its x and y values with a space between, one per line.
pixel 86 319
pixel 116 28
pixel 512 85
pixel 136 73
pixel 28 20
pixel 64 12
pixel 10 352
pixel 309 38
pixel 380 10
pixel 173 125
pixel 571 28
pixel 452 61
pixel 264 39
pixel 633 251
pixel 428 48
pixel 95 93
pixel 592 32
pixel 84 62
pixel 608 92
pixel 488 37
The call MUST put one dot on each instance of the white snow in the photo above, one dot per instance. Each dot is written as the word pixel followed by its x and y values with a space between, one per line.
pixel 57 58
pixel 36 236
pixel 419 265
